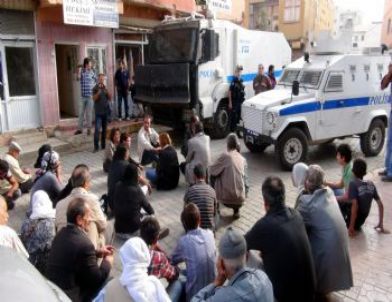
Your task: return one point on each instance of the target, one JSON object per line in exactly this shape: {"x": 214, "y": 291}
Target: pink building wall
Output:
{"x": 51, "y": 30}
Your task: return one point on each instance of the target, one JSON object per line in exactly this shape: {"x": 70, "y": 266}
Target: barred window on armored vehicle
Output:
{"x": 289, "y": 76}
{"x": 310, "y": 78}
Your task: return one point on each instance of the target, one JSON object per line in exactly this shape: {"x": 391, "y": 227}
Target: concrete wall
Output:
{"x": 51, "y": 30}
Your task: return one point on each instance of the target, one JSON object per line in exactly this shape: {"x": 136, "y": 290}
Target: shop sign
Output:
{"x": 101, "y": 13}
{"x": 220, "y": 5}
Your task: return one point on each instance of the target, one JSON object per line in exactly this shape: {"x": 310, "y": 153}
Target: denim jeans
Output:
{"x": 120, "y": 97}
{"x": 176, "y": 290}
{"x": 151, "y": 175}
{"x": 85, "y": 109}
{"x": 388, "y": 150}
{"x": 101, "y": 121}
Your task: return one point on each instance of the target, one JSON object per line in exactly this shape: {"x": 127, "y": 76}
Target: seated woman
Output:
{"x": 110, "y": 148}
{"x": 134, "y": 284}
{"x": 327, "y": 234}
{"x": 38, "y": 230}
{"x": 41, "y": 151}
{"x": 298, "y": 177}
{"x": 167, "y": 173}
{"x": 49, "y": 178}
{"x": 128, "y": 201}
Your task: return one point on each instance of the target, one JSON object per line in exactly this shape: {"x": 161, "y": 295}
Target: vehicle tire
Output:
{"x": 291, "y": 148}
{"x": 221, "y": 125}
{"x": 256, "y": 148}
{"x": 373, "y": 140}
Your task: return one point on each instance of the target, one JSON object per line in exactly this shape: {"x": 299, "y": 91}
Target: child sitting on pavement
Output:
{"x": 340, "y": 188}
{"x": 361, "y": 193}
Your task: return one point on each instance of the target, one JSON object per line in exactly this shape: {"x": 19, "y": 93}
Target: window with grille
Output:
{"x": 310, "y": 78}
{"x": 289, "y": 76}
{"x": 335, "y": 83}
{"x": 292, "y": 10}
{"x": 98, "y": 56}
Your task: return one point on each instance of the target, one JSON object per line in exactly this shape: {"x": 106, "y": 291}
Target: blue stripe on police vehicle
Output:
{"x": 248, "y": 77}
{"x": 335, "y": 104}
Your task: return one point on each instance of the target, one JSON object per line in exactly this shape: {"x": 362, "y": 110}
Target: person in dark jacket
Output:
{"x": 128, "y": 200}
{"x": 167, "y": 173}
{"x": 281, "y": 238}
{"x": 72, "y": 263}
{"x": 116, "y": 171}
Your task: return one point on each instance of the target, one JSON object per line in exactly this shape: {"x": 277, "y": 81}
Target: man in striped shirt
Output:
{"x": 204, "y": 197}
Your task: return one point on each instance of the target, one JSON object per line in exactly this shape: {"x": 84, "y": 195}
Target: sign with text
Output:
{"x": 101, "y": 13}
{"x": 220, "y": 5}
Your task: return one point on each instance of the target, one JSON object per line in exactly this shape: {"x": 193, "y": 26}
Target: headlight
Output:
{"x": 271, "y": 118}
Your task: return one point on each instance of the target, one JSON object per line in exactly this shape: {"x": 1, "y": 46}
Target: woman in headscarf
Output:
{"x": 298, "y": 176}
{"x": 50, "y": 178}
{"x": 38, "y": 230}
{"x": 327, "y": 234}
{"x": 134, "y": 284}
{"x": 41, "y": 151}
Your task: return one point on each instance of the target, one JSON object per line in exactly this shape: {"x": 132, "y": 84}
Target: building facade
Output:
{"x": 19, "y": 90}
{"x": 302, "y": 20}
{"x": 386, "y": 32}
{"x": 231, "y": 10}
{"x": 40, "y": 56}
{"x": 263, "y": 15}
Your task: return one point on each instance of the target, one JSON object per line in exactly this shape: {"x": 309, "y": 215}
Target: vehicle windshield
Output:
{"x": 310, "y": 78}
{"x": 173, "y": 45}
{"x": 289, "y": 76}
{"x": 306, "y": 78}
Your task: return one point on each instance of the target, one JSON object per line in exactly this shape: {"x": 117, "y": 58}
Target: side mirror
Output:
{"x": 295, "y": 88}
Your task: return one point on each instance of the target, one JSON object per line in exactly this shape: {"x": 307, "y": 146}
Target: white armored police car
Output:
{"x": 320, "y": 97}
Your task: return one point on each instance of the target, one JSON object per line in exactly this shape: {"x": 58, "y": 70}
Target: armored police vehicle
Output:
{"x": 320, "y": 97}
{"x": 190, "y": 64}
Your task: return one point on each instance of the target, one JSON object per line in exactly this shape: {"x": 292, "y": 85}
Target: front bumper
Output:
{"x": 255, "y": 138}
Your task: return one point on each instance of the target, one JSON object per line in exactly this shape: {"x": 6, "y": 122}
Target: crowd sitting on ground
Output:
{"x": 295, "y": 254}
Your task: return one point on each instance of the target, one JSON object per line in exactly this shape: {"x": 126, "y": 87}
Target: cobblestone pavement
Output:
{"x": 371, "y": 253}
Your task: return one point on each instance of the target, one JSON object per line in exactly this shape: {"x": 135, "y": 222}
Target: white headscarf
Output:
{"x": 298, "y": 175}
{"x": 42, "y": 206}
{"x": 135, "y": 258}
{"x": 50, "y": 160}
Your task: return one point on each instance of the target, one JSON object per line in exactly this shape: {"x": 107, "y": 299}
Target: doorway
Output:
{"x": 67, "y": 83}
{"x": 131, "y": 55}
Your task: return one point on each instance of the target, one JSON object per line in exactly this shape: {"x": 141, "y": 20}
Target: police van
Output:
{"x": 322, "y": 96}
{"x": 190, "y": 65}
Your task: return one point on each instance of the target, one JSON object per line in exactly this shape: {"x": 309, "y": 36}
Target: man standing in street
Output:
{"x": 261, "y": 82}
{"x": 101, "y": 97}
{"x": 236, "y": 98}
{"x": 122, "y": 82}
{"x": 87, "y": 79}
{"x": 387, "y": 173}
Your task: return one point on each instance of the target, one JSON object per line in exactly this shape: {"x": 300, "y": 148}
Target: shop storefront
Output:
{"x": 19, "y": 93}
{"x": 61, "y": 50}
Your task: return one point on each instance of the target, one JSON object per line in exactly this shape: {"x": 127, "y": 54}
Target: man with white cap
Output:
{"x": 22, "y": 176}
{"x": 242, "y": 283}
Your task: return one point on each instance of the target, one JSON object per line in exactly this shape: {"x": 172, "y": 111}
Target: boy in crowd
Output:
{"x": 160, "y": 265}
{"x": 340, "y": 188}
{"x": 361, "y": 193}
